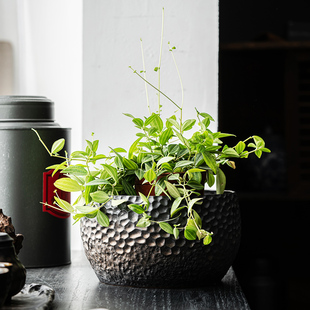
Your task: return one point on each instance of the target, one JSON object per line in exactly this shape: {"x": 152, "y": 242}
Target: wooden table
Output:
{"x": 77, "y": 287}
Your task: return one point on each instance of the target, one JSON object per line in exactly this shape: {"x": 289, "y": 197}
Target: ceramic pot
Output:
{"x": 123, "y": 254}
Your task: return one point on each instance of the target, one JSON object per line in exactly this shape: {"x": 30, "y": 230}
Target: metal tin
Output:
{"x": 23, "y": 161}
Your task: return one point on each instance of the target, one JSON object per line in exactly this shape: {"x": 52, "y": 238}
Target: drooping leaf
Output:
{"x": 103, "y": 219}
{"x": 166, "y": 227}
{"x": 136, "y": 208}
{"x": 220, "y": 181}
{"x": 144, "y": 222}
{"x": 172, "y": 190}
{"x": 68, "y": 185}
{"x": 76, "y": 170}
{"x": 100, "y": 196}
{"x": 210, "y": 161}
{"x": 176, "y": 232}
{"x": 175, "y": 206}
{"x": 63, "y": 204}
{"x": 86, "y": 209}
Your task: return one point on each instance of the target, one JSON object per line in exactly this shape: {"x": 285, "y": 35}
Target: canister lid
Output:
{"x": 26, "y": 109}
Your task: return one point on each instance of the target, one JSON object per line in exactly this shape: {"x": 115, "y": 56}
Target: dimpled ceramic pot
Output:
{"x": 123, "y": 254}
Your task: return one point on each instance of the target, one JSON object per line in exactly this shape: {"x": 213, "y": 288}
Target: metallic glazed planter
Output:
{"x": 123, "y": 254}
{"x": 23, "y": 160}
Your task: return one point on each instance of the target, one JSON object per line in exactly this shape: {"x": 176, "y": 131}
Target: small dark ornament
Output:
{"x": 6, "y": 226}
{"x": 123, "y": 254}
{"x": 18, "y": 271}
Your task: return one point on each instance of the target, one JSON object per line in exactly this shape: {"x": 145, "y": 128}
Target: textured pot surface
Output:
{"x": 123, "y": 254}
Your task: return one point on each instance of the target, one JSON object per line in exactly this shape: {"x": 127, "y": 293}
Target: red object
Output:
{"x": 49, "y": 193}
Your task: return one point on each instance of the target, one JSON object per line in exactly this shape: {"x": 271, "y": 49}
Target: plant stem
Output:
{"x": 182, "y": 89}
{"x": 49, "y": 152}
{"x": 134, "y": 71}
{"x": 144, "y": 73}
{"x": 160, "y": 56}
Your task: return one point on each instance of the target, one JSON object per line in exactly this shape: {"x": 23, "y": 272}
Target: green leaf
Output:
{"x": 264, "y": 149}
{"x": 111, "y": 171}
{"x": 240, "y": 147}
{"x": 157, "y": 123}
{"x": 184, "y": 163}
{"x": 150, "y": 119}
{"x": 165, "y": 136}
{"x": 190, "y": 232}
{"x": 133, "y": 148}
{"x": 175, "y": 206}
{"x": 220, "y": 181}
{"x": 117, "y": 202}
{"x": 103, "y": 219}
{"x": 206, "y": 115}
{"x": 188, "y": 124}
{"x": 182, "y": 139}
{"x": 139, "y": 122}
{"x": 136, "y": 208}
{"x": 78, "y": 154}
{"x": 197, "y": 219}
{"x": 172, "y": 190}
{"x": 210, "y": 161}
{"x": 58, "y": 146}
{"x": 97, "y": 182}
{"x": 208, "y": 239}
{"x": 174, "y": 123}
{"x": 100, "y": 196}
{"x": 166, "y": 227}
{"x": 76, "y": 170}
{"x": 258, "y": 153}
{"x": 230, "y": 152}
{"x": 143, "y": 222}
{"x": 165, "y": 159}
{"x": 259, "y": 141}
{"x": 129, "y": 164}
{"x": 63, "y": 204}
{"x": 210, "y": 179}
{"x": 129, "y": 115}
{"x": 191, "y": 203}
{"x": 128, "y": 188}
{"x": 68, "y": 185}
{"x": 150, "y": 175}
{"x": 86, "y": 209}
{"x": 176, "y": 233}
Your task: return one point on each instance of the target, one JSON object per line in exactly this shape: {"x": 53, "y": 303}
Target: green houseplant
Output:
{"x": 172, "y": 157}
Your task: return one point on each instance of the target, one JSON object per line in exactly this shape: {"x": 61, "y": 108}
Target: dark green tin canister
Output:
{"x": 23, "y": 162}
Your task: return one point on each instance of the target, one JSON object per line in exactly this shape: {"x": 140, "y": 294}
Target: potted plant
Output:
{"x": 145, "y": 217}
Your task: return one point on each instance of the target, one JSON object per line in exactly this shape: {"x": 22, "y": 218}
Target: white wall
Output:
{"x": 111, "y": 36}
{"x": 47, "y": 43}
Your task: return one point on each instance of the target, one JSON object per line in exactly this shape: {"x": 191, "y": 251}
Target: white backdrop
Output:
{"x": 112, "y": 32}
